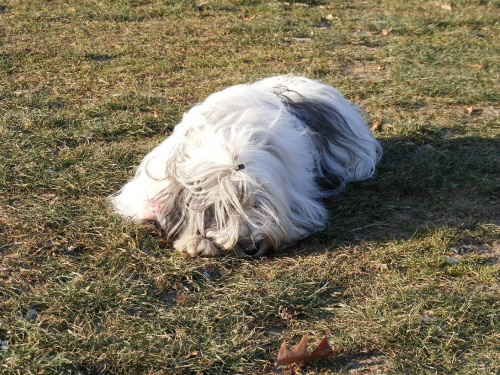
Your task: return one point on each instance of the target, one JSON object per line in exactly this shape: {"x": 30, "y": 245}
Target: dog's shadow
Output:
{"x": 441, "y": 182}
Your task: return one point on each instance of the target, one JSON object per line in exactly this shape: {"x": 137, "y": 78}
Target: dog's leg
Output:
{"x": 194, "y": 245}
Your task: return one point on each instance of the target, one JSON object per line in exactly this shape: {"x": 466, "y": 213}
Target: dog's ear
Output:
{"x": 171, "y": 217}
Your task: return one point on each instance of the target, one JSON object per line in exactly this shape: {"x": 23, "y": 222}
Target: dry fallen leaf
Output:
{"x": 288, "y": 312}
{"x": 299, "y": 353}
{"x": 191, "y": 355}
{"x": 385, "y": 32}
{"x": 377, "y": 126}
{"x": 445, "y": 6}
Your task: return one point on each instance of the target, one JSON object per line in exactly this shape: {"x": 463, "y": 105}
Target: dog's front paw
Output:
{"x": 253, "y": 249}
{"x": 195, "y": 246}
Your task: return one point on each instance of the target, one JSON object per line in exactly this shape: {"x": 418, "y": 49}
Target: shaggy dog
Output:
{"x": 248, "y": 168}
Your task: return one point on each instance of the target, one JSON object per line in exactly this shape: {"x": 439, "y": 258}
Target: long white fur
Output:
{"x": 192, "y": 186}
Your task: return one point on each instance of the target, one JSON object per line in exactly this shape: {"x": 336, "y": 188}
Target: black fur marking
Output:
{"x": 171, "y": 218}
{"x": 327, "y": 128}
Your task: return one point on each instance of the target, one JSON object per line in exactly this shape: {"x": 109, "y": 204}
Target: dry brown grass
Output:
{"x": 405, "y": 279}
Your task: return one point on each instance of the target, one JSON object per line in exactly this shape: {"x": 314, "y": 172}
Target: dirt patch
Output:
{"x": 492, "y": 252}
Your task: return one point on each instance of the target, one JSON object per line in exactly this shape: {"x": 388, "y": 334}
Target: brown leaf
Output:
{"x": 299, "y": 353}
{"x": 445, "y": 6}
{"x": 288, "y": 312}
{"x": 385, "y": 32}
{"x": 191, "y": 355}
{"x": 323, "y": 350}
{"x": 377, "y": 126}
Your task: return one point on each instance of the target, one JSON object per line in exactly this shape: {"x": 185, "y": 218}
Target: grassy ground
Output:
{"x": 405, "y": 279}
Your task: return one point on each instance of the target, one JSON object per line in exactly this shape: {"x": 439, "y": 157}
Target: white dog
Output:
{"x": 248, "y": 168}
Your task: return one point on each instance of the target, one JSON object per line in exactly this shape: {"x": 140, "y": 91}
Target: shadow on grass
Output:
{"x": 441, "y": 183}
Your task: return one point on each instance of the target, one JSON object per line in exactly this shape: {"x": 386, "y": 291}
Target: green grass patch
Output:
{"x": 404, "y": 279}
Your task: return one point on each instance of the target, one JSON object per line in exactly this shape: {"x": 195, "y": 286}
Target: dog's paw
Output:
{"x": 253, "y": 250}
{"x": 194, "y": 246}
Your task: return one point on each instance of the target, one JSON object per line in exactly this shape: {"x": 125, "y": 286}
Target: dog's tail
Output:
{"x": 346, "y": 148}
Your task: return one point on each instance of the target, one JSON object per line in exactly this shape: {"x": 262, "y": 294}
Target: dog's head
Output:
{"x": 228, "y": 203}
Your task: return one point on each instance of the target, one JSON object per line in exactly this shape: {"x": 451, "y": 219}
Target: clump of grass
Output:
{"x": 405, "y": 279}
